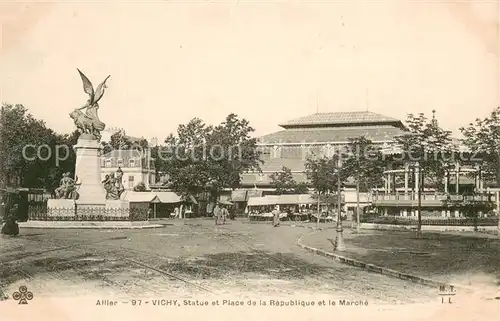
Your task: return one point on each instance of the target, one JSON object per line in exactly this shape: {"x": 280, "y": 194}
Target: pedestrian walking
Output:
{"x": 217, "y": 214}
{"x": 276, "y": 216}
{"x": 224, "y": 213}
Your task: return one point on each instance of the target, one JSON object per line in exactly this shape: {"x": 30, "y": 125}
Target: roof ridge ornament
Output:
{"x": 434, "y": 121}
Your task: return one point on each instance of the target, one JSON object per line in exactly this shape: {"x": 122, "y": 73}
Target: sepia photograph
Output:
{"x": 254, "y": 160}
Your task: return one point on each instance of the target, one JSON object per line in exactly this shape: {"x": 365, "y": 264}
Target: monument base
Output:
{"x": 61, "y": 208}
{"x": 90, "y": 205}
{"x": 88, "y": 172}
{"x": 117, "y": 204}
{"x": 88, "y": 225}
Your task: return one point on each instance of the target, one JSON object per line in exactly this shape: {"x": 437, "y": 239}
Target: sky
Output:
{"x": 266, "y": 61}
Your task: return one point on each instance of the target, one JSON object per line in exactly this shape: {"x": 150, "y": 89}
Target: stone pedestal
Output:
{"x": 92, "y": 200}
{"x": 88, "y": 173}
{"x": 117, "y": 208}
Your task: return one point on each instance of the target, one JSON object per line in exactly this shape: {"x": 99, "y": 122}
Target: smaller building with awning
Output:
{"x": 162, "y": 204}
{"x": 240, "y": 197}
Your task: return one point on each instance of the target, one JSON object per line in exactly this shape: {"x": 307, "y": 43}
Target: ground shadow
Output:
{"x": 267, "y": 264}
{"x": 85, "y": 265}
{"x": 281, "y": 266}
{"x": 432, "y": 255}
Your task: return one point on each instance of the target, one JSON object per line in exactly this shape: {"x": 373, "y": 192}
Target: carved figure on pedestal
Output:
{"x": 67, "y": 188}
{"x": 89, "y": 122}
{"x": 110, "y": 187}
{"x": 113, "y": 185}
{"x": 119, "y": 183}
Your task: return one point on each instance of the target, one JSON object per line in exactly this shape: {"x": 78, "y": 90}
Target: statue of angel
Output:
{"x": 89, "y": 122}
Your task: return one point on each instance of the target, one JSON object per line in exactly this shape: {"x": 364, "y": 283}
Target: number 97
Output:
{"x": 136, "y": 302}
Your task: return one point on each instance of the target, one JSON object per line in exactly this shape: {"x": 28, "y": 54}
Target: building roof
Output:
{"x": 151, "y": 197}
{"x": 139, "y": 197}
{"x": 329, "y": 134}
{"x": 341, "y": 118}
{"x": 168, "y": 197}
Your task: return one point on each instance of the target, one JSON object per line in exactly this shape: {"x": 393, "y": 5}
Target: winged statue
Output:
{"x": 89, "y": 122}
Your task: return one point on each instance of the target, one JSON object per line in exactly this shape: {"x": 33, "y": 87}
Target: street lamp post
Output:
{"x": 419, "y": 195}
{"x": 339, "y": 242}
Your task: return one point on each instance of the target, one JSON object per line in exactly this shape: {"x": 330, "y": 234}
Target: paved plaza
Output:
{"x": 187, "y": 259}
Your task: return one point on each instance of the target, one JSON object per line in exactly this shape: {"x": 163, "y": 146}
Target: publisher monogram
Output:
{"x": 23, "y": 295}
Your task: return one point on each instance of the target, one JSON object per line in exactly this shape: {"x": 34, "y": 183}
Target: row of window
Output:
{"x": 131, "y": 180}
{"x": 299, "y": 151}
{"x": 119, "y": 163}
{"x": 303, "y": 151}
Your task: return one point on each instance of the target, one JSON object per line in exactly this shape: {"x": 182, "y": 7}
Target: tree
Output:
{"x": 429, "y": 146}
{"x": 366, "y": 164}
{"x": 32, "y": 155}
{"x": 483, "y": 139}
{"x": 232, "y": 152}
{"x": 284, "y": 183}
{"x": 182, "y": 158}
{"x": 301, "y": 188}
{"x": 120, "y": 141}
{"x": 203, "y": 158}
{"x": 160, "y": 162}
{"x": 140, "y": 187}
{"x": 322, "y": 174}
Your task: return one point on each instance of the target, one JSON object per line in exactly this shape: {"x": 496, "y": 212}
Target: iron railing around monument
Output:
{"x": 42, "y": 213}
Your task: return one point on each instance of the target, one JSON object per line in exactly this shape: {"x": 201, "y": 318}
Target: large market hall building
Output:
{"x": 320, "y": 134}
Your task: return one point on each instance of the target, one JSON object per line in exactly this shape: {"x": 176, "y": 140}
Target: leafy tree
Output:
{"x": 428, "y": 145}
{"x": 156, "y": 154}
{"x": 322, "y": 174}
{"x": 182, "y": 158}
{"x": 232, "y": 152}
{"x": 284, "y": 183}
{"x": 120, "y": 141}
{"x": 365, "y": 163}
{"x": 205, "y": 158}
{"x": 483, "y": 139}
{"x": 301, "y": 188}
{"x": 140, "y": 187}
{"x": 23, "y": 160}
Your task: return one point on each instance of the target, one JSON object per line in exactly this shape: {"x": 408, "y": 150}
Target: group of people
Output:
{"x": 220, "y": 214}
